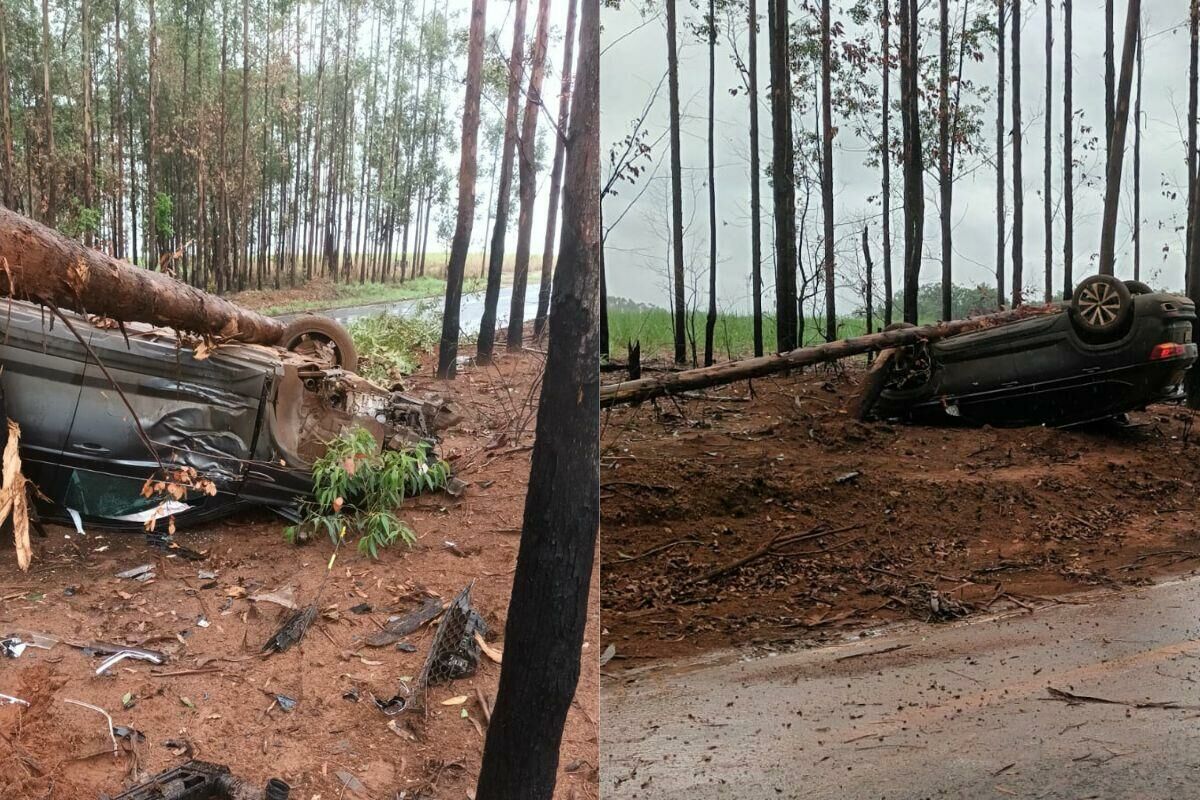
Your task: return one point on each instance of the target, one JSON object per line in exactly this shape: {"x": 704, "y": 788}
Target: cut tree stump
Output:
{"x": 42, "y": 265}
{"x": 689, "y": 380}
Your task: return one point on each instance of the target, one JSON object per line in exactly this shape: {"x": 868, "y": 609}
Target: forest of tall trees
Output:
{"x": 894, "y": 87}
{"x": 249, "y": 143}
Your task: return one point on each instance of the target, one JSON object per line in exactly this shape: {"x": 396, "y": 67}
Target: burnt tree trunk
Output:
{"x": 527, "y": 173}
{"x": 1116, "y": 150}
{"x": 678, "y": 301}
{"x": 461, "y": 243}
{"x": 491, "y": 295}
{"x": 783, "y": 170}
{"x": 48, "y": 267}
{"x": 549, "y": 610}
{"x": 1068, "y": 157}
{"x": 755, "y": 177}
{"x": 914, "y": 189}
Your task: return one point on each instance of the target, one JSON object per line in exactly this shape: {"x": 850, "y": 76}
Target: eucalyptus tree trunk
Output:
{"x": 6, "y": 155}
{"x": 527, "y": 174}
{"x": 491, "y": 296}
{"x": 1116, "y": 151}
{"x": 914, "y": 190}
{"x": 455, "y": 267}
{"x": 944, "y": 185}
{"x": 679, "y": 301}
{"x": 784, "y": 184}
{"x": 1018, "y": 238}
{"x": 1137, "y": 165}
{"x": 885, "y": 157}
{"x": 560, "y": 144}
{"x": 1047, "y": 206}
{"x": 827, "y": 174}
{"x": 710, "y": 321}
{"x": 1068, "y": 156}
{"x": 755, "y": 178}
{"x": 1000, "y": 136}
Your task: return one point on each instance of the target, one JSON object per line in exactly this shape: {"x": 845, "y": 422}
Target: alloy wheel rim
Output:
{"x": 1099, "y": 304}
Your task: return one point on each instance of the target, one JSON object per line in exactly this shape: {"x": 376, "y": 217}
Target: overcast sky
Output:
{"x": 633, "y": 64}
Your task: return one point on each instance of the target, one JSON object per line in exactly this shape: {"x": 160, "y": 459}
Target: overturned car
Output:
{"x": 102, "y": 408}
{"x": 1117, "y": 346}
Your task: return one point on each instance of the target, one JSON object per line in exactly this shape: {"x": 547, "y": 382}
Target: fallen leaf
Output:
{"x": 455, "y": 701}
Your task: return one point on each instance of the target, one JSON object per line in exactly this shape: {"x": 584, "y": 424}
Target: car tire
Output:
{"x": 1137, "y": 287}
{"x": 313, "y": 327}
{"x": 1101, "y": 306}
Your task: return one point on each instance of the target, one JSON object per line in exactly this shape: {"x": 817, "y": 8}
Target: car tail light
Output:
{"x": 1167, "y": 350}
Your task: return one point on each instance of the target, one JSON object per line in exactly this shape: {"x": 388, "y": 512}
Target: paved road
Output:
{"x": 470, "y": 313}
{"x": 957, "y": 711}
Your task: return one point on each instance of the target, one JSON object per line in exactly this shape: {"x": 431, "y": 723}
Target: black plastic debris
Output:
{"x": 393, "y": 706}
{"x": 201, "y": 780}
{"x": 361, "y": 608}
{"x": 399, "y": 627}
{"x": 406, "y": 647}
{"x": 455, "y": 653}
{"x": 292, "y": 630}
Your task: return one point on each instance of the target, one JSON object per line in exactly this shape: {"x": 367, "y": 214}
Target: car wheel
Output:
{"x": 1137, "y": 287}
{"x": 311, "y": 329}
{"x": 1101, "y": 305}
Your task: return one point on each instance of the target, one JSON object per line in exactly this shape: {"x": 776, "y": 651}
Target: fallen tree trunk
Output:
{"x": 719, "y": 374}
{"x": 45, "y": 266}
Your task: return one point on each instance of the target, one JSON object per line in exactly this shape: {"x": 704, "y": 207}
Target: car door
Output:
{"x": 41, "y": 371}
{"x": 202, "y": 413}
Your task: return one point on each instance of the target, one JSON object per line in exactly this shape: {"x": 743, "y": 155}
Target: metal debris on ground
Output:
{"x": 13, "y": 701}
{"x": 12, "y": 647}
{"x": 117, "y": 658}
{"x": 142, "y": 572}
{"x": 292, "y": 630}
{"x": 201, "y": 780}
{"x": 454, "y": 653}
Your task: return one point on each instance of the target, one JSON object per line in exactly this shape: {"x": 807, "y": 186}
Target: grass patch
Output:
{"x": 360, "y": 294}
{"x": 390, "y": 346}
{"x": 733, "y": 337}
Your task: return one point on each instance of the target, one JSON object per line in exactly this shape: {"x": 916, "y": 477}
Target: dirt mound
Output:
{"x": 848, "y": 524}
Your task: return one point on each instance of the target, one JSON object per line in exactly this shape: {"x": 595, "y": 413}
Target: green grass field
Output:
{"x": 733, "y": 337}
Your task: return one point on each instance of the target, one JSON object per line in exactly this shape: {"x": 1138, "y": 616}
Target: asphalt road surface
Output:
{"x": 960, "y": 710}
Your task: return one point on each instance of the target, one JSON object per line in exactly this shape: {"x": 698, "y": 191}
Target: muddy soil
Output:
{"x": 872, "y": 522}
{"x": 217, "y": 694}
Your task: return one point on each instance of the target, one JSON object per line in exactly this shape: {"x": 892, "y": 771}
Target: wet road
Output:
{"x": 958, "y": 710}
{"x": 470, "y": 312}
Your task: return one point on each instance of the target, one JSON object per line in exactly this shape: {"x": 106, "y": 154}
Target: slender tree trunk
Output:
{"x": 944, "y": 185}
{"x": 89, "y": 152}
{"x": 869, "y": 288}
{"x": 560, "y": 142}
{"x": 827, "y": 174}
{"x": 487, "y": 325}
{"x": 1137, "y": 165}
{"x": 455, "y": 267}
{"x": 1000, "y": 136}
{"x": 1068, "y": 156}
{"x": 755, "y": 178}
{"x": 1109, "y": 76}
{"x": 1018, "y": 239}
{"x": 528, "y": 178}
{"x": 1116, "y": 152}
{"x": 49, "y": 190}
{"x": 1193, "y": 111}
{"x": 885, "y": 157}
{"x": 784, "y": 184}
{"x": 679, "y": 301}
{"x": 6, "y": 157}
{"x": 151, "y": 203}
{"x": 243, "y": 199}
{"x": 710, "y": 321}
{"x": 1047, "y": 187}
{"x": 543, "y": 637}
{"x": 914, "y": 190}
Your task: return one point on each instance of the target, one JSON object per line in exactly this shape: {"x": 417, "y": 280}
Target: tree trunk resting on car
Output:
{"x": 43, "y": 265}
{"x": 687, "y": 380}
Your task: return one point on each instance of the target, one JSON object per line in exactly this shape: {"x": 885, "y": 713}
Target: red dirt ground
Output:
{"x": 962, "y": 518}
{"x": 223, "y": 707}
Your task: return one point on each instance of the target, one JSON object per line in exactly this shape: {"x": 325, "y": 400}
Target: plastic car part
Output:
{"x": 308, "y": 333}
{"x": 200, "y": 780}
{"x": 1101, "y": 305}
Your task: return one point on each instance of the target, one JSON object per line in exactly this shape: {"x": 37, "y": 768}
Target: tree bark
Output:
{"x": 783, "y": 171}
{"x": 6, "y": 156}
{"x": 1109, "y": 92}
{"x": 1018, "y": 235}
{"x": 1000, "y": 136}
{"x": 548, "y": 613}
{"x": 689, "y": 380}
{"x": 885, "y": 157}
{"x": 1068, "y": 156}
{"x": 944, "y": 185}
{"x": 150, "y": 203}
{"x": 485, "y": 343}
{"x": 1137, "y": 165}
{"x": 827, "y": 174}
{"x": 755, "y": 178}
{"x": 49, "y": 213}
{"x": 870, "y": 281}
{"x": 679, "y": 301}
{"x": 47, "y": 266}
{"x": 527, "y": 174}
{"x": 560, "y": 142}
{"x": 1116, "y": 150}
{"x": 1193, "y": 78}
{"x": 914, "y": 190}
{"x": 710, "y": 321}
{"x": 455, "y": 267}
{"x": 1047, "y": 206}
{"x": 89, "y": 152}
